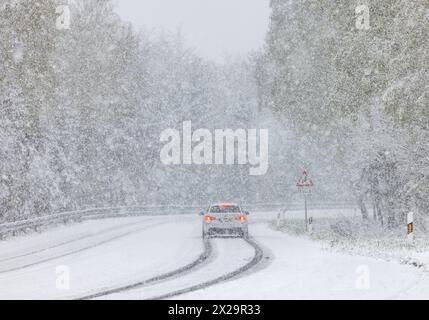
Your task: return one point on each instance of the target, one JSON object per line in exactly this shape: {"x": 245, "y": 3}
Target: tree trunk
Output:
{"x": 363, "y": 208}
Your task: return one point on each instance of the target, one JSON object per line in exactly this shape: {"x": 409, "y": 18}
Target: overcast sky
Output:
{"x": 215, "y": 28}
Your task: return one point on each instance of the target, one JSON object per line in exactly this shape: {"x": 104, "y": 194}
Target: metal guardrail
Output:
{"x": 299, "y": 206}
{"x": 109, "y": 212}
{"x": 87, "y": 214}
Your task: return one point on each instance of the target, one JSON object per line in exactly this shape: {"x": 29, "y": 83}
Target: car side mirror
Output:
{"x": 201, "y": 213}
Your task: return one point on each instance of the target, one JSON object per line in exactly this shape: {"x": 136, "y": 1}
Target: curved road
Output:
{"x": 162, "y": 257}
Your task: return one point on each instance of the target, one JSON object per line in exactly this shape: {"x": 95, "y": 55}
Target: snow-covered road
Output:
{"x": 114, "y": 258}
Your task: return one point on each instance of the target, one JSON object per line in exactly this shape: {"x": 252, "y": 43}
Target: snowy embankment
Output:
{"x": 343, "y": 232}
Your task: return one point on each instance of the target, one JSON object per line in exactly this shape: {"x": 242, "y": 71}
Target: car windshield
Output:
{"x": 225, "y": 209}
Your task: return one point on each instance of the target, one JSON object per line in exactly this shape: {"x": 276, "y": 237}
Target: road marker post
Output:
{"x": 410, "y": 227}
{"x": 310, "y": 225}
{"x": 278, "y": 218}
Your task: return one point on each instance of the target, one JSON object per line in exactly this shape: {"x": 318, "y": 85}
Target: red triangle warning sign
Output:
{"x": 305, "y": 180}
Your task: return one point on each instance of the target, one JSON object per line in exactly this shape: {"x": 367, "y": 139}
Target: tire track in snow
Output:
{"x": 27, "y": 254}
{"x": 203, "y": 257}
{"x": 258, "y": 256}
{"x": 88, "y": 247}
{"x": 207, "y": 253}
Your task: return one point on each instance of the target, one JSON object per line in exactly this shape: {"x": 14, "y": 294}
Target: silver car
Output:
{"x": 225, "y": 219}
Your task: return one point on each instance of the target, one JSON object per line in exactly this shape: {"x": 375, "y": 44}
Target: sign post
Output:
{"x": 305, "y": 185}
{"x": 306, "y": 214}
{"x": 410, "y": 226}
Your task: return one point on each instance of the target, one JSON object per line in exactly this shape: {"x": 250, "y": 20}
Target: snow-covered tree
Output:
{"x": 358, "y": 90}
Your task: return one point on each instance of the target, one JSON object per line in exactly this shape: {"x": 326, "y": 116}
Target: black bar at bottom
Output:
{"x": 228, "y": 309}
